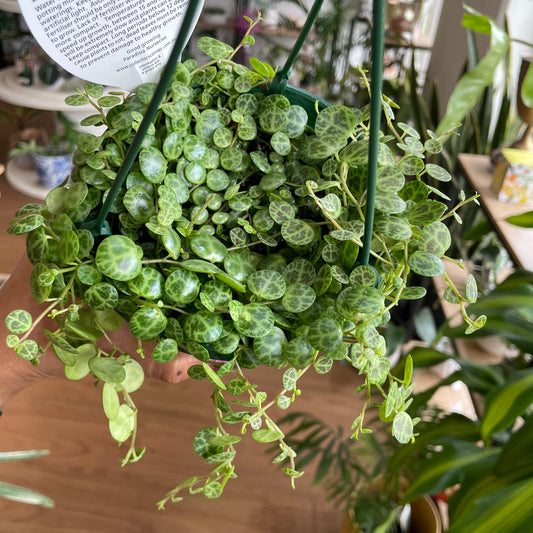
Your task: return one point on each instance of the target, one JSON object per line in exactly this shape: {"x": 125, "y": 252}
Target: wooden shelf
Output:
{"x": 478, "y": 171}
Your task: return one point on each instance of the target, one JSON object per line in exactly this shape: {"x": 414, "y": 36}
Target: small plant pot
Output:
{"x": 425, "y": 518}
{"x": 52, "y": 169}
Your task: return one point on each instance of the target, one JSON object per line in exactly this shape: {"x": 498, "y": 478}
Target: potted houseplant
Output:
{"x": 480, "y": 467}
{"x": 358, "y": 478}
{"x": 476, "y": 466}
{"x": 51, "y": 155}
{"x": 236, "y": 237}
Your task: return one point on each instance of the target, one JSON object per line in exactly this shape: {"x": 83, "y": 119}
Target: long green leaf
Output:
{"x": 450, "y": 467}
{"x": 471, "y": 85}
{"x": 525, "y": 220}
{"x": 527, "y": 87}
{"x": 516, "y": 457}
{"x": 23, "y": 495}
{"x": 504, "y": 404}
{"x": 21, "y": 455}
{"x": 518, "y": 278}
{"x": 507, "y": 509}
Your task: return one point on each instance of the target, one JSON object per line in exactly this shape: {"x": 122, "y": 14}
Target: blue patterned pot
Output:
{"x": 52, "y": 169}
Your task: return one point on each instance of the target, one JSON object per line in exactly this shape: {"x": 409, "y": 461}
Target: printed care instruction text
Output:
{"x": 112, "y": 42}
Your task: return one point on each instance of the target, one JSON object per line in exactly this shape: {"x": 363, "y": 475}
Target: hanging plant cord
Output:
{"x": 376, "y": 81}
{"x": 279, "y": 85}
{"x": 100, "y": 226}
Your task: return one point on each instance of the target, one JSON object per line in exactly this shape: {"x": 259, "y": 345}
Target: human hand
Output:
{"x": 17, "y": 373}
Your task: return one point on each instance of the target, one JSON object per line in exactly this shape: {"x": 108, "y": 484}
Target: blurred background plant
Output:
{"x": 22, "y": 494}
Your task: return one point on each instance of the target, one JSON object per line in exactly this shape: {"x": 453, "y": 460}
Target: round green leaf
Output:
{"x": 207, "y": 247}
{"x": 323, "y": 364}
{"x": 134, "y": 376}
{"x": 273, "y": 119}
{"x": 265, "y": 436}
{"x": 110, "y": 401}
{"x": 41, "y": 279}
{"x": 297, "y": 232}
{"x": 147, "y": 322}
{"x": 435, "y": 239}
{"x": 363, "y": 275}
{"x": 19, "y": 321}
{"x": 227, "y": 344}
{"x": 300, "y": 271}
{"x": 281, "y": 211}
{"x": 256, "y": 320}
{"x": 122, "y": 426}
{"x": 214, "y": 48}
{"x": 267, "y": 284}
{"x": 37, "y": 246}
{"x": 296, "y": 121}
{"x": 80, "y": 368}
{"x": 153, "y": 164}
{"x": 359, "y": 300}
{"x": 139, "y": 203}
{"x": 269, "y": 348}
{"x": 389, "y": 179}
{"x": 325, "y": 334}
{"x": 165, "y": 351}
{"x": 413, "y": 293}
{"x": 335, "y": 121}
{"x": 107, "y": 369}
{"x": 412, "y": 165}
{"x": 389, "y": 203}
{"x": 203, "y": 327}
{"x": 238, "y": 266}
{"x": 118, "y": 258}
{"x": 272, "y": 180}
{"x": 182, "y": 286}
{"x": 299, "y": 352}
{"x": 298, "y": 297}
{"x": 88, "y": 275}
{"x": 102, "y": 296}
{"x": 323, "y": 280}
{"x": 27, "y": 349}
{"x": 437, "y": 172}
{"x": 426, "y": 264}
{"x": 26, "y": 224}
{"x": 394, "y": 227}
{"x": 148, "y": 284}
{"x": 402, "y": 428}
{"x": 281, "y": 143}
{"x": 425, "y": 212}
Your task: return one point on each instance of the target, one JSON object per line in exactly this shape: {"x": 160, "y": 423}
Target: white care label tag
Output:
{"x": 121, "y": 43}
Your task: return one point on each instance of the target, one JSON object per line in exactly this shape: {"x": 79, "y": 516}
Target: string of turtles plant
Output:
{"x": 235, "y": 238}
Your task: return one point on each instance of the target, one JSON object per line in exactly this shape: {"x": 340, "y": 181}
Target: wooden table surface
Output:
{"x": 518, "y": 241}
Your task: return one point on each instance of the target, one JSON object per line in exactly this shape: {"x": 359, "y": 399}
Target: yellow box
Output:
{"x": 513, "y": 176}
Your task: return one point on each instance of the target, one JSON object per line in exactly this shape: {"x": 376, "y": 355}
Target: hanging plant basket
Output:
{"x": 236, "y": 236}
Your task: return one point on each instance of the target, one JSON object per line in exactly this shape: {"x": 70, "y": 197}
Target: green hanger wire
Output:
{"x": 311, "y": 102}
{"x": 100, "y": 226}
{"x": 297, "y": 95}
{"x": 376, "y": 83}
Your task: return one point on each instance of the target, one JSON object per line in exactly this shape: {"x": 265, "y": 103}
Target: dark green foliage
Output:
{"x": 235, "y": 238}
